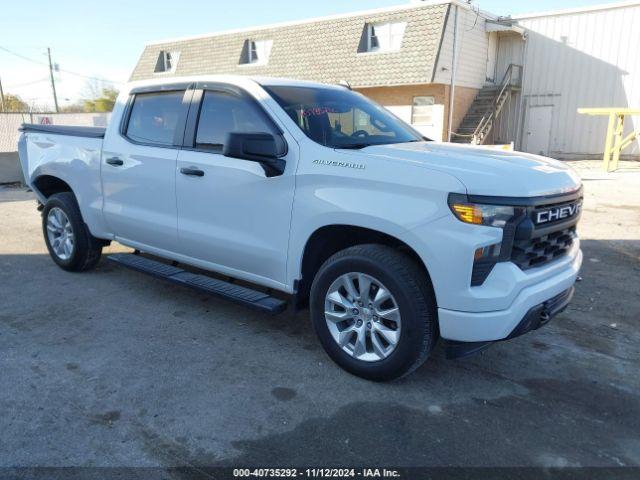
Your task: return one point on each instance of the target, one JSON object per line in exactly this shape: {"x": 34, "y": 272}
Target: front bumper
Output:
{"x": 535, "y": 318}
{"x": 490, "y": 326}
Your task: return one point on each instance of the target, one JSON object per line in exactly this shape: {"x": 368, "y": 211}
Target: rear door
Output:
{"x": 138, "y": 168}
{"x": 232, "y": 217}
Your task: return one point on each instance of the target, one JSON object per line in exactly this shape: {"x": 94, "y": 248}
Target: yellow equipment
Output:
{"x": 615, "y": 142}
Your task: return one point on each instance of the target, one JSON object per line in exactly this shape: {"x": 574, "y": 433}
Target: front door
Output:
{"x": 138, "y": 171}
{"x": 232, "y": 218}
{"x": 538, "y": 129}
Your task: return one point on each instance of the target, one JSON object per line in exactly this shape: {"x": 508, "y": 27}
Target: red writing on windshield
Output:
{"x": 307, "y": 112}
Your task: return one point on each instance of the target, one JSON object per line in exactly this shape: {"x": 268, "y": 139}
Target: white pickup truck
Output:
{"x": 317, "y": 193}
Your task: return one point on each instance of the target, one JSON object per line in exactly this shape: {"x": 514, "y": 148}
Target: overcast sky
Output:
{"x": 104, "y": 39}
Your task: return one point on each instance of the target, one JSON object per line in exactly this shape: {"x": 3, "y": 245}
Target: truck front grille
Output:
{"x": 538, "y": 251}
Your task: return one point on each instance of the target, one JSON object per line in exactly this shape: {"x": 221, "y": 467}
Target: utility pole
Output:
{"x": 454, "y": 64}
{"x": 2, "y": 108}
{"x": 53, "y": 82}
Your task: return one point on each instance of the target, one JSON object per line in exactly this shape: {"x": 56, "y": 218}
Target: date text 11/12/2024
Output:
{"x": 316, "y": 473}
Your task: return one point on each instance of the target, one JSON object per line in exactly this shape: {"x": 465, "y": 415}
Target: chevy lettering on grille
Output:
{"x": 557, "y": 213}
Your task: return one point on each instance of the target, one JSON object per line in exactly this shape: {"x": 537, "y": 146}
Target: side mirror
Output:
{"x": 256, "y": 147}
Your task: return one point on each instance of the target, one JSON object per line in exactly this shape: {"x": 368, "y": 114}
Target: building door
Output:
{"x": 538, "y": 129}
{"x": 492, "y": 57}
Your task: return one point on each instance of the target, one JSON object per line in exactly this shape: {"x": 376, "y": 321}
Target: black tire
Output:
{"x": 413, "y": 292}
{"x": 86, "y": 248}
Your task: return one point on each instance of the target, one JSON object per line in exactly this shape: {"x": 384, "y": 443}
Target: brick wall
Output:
{"x": 400, "y": 98}
{"x": 403, "y": 95}
{"x": 463, "y": 99}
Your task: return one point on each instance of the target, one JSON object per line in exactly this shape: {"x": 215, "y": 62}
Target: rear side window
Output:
{"x": 222, "y": 113}
{"x": 154, "y": 117}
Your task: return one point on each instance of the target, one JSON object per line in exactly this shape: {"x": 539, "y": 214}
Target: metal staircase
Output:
{"x": 486, "y": 107}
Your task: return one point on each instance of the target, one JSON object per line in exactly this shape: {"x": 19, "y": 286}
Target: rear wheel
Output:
{"x": 67, "y": 237}
{"x": 374, "y": 311}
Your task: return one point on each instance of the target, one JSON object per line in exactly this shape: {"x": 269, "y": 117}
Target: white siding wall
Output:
{"x": 510, "y": 51}
{"x": 586, "y": 59}
{"x": 472, "y": 50}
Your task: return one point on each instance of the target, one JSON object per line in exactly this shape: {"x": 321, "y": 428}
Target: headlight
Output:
{"x": 479, "y": 214}
{"x": 482, "y": 211}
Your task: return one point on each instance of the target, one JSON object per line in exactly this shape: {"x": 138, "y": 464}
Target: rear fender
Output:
{"x": 75, "y": 161}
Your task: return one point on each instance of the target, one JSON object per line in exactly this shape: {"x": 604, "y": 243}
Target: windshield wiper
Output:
{"x": 353, "y": 146}
{"x": 358, "y": 146}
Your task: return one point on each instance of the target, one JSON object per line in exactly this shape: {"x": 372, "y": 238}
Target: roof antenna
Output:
{"x": 344, "y": 84}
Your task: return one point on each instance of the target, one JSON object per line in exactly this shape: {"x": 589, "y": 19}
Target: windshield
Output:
{"x": 341, "y": 118}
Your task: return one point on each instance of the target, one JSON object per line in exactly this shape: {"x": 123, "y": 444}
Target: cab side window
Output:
{"x": 154, "y": 117}
{"x": 222, "y": 113}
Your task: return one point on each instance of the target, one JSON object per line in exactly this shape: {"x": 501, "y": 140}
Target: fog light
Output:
{"x": 484, "y": 259}
{"x": 489, "y": 252}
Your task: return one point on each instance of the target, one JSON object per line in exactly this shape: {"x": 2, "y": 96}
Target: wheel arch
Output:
{"x": 327, "y": 240}
{"x": 46, "y": 185}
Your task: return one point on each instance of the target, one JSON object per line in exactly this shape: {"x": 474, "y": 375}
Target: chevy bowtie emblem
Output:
{"x": 557, "y": 213}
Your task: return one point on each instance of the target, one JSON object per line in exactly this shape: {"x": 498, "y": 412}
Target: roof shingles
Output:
{"x": 323, "y": 50}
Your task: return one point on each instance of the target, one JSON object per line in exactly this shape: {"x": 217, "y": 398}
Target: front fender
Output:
{"x": 384, "y": 206}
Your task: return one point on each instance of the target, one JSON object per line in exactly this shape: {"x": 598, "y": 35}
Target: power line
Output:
{"x": 90, "y": 77}
{"x": 33, "y": 82}
{"x": 21, "y": 56}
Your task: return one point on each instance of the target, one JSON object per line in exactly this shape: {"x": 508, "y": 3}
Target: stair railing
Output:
{"x": 512, "y": 78}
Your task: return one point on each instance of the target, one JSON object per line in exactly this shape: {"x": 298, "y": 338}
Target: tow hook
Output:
{"x": 544, "y": 318}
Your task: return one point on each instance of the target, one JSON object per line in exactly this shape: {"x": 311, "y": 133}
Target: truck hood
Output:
{"x": 484, "y": 171}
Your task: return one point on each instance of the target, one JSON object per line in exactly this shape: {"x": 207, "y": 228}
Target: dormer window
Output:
{"x": 167, "y": 62}
{"x": 256, "y": 52}
{"x": 253, "y": 52}
{"x": 385, "y": 37}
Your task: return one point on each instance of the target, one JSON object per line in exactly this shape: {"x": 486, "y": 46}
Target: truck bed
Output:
{"x": 69, "y": 153}
{"x": 76, "y": 131}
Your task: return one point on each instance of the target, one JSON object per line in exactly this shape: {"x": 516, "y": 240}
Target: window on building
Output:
{"x": 154, "y": 117}
{"x": 384, "y": 37}
{"x": 223, "y": 113}
{"x": 253, "y": 52}
{"x": 422, "y": 110}
{"x": 167, "y": 61}
{"x": 256, "y": 52}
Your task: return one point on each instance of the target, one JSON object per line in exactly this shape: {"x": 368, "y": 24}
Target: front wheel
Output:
{"x": 68, "y": 239}
{"x": 374, "y": 311}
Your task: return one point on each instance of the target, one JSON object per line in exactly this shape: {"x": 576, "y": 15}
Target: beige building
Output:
{"x": 402, "y": 57}
{"x": 449, "y": 69}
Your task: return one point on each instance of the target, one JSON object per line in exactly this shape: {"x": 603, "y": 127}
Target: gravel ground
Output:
{"x": 112, "y": 368}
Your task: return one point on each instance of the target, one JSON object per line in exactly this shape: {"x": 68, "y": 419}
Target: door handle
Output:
{"x": 115, "y": 161}
{"x": 194, "y": 172}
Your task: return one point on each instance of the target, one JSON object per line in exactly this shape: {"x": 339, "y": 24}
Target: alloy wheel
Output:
{"x": 362, "y": 316}
{"x": 60, "y": 233}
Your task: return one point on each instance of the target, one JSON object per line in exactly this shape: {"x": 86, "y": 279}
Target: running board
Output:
{"x": 228, "y": 291}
